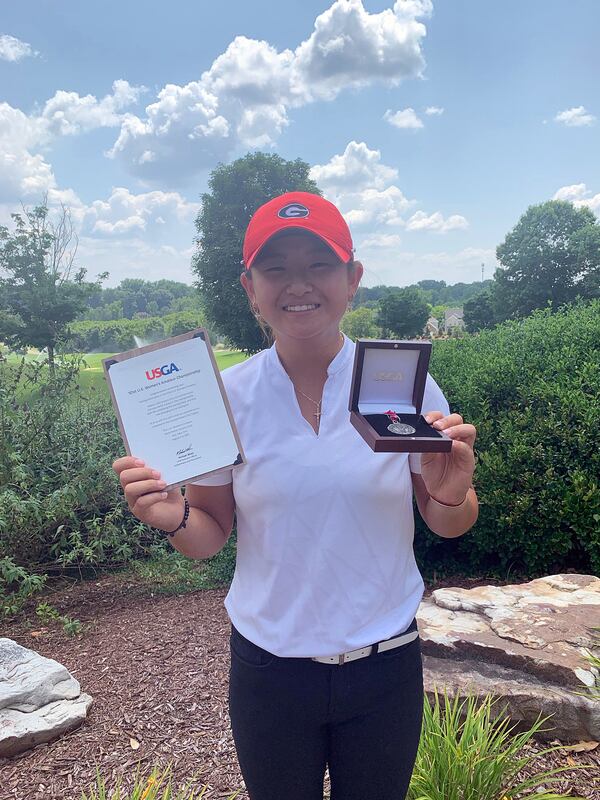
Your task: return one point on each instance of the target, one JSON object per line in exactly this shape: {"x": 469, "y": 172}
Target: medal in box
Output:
{"x": 386, "y": 397}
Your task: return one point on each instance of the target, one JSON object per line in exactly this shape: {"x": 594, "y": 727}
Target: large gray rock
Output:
{"x": 523, "y": 643}
{"x": 39, "y": 699}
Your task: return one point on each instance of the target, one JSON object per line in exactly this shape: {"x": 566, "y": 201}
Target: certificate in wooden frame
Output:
{"x": 197, "y": 333}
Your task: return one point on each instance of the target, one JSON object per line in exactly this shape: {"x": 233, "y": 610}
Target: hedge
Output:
{"x": 532, "y": 389}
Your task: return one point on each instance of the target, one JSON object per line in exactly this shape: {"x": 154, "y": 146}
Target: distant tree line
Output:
{"x": 436, "y": 293}
{"x": 110, "y": 336}
{"x": 135, "y": 298}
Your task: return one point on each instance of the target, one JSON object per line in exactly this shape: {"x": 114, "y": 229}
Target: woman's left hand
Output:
{"x": 449, "y": 476}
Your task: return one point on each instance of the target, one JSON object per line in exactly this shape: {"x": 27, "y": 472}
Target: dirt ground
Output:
{"x": 157, "y": 668}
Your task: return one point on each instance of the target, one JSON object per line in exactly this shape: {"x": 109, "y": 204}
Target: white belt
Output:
{"x": 388, "y": 644}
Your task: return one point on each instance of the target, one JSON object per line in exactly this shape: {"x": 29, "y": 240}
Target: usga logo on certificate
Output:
{"x": 158, "y": 371}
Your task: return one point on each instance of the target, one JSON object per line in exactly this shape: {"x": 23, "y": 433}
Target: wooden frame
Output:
{"x": 196, "y": 333}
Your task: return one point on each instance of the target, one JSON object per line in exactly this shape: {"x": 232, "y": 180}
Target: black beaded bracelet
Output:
{"x": 183, "y": 522}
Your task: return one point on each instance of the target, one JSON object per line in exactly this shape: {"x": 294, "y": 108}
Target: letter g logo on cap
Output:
{"x": 292, "y": 211}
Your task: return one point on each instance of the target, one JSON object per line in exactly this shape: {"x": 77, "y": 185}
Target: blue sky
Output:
{"x": 432, "y": 125}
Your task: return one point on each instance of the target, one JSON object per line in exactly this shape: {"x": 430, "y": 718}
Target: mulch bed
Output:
{"x": 157, "y": 668}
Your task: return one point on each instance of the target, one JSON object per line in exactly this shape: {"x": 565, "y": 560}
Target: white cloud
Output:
{"x": 380, "y": 240}
{"x": 350, "y": 47}
{"x": 356, "y": 168}
{"x": 124, "y": 213}
{"x": 243, "y": 100}
{"x": 407, "y": 118}
{"x": 182, "y": 127}
{"x": 245, "y": 97}
{"x": 575, "y": 117}
{"x": 67, "y": 113}
{"x": 135, "y": 257}
{"x": 580, "y": 196}
{"x": 13, "y": 49}
{"x": 25, "y": 173}
{"x": 375, "y": 207}
{"x": 364, "y": 190}
{"x": 434, "y": 111}
{"x": 420, "y": 221}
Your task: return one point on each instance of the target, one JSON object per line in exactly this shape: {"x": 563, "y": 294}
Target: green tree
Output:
{"x": 360, "y": 324}
{"x": 586, "y": 244}
{"x": 403, "y": 313}
{"x": 40, "y": 291}
{"x": 479, "y": 312}
{"x": 236, "y": 190}
{"x": 428, "y": 285}
{"x": 550, "y": 256}
{"x": 437, "y": 311}
{"x": 369, "y": 296}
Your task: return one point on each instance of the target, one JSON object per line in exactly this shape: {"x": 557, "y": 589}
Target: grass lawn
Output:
{"x": 91, "y": 377}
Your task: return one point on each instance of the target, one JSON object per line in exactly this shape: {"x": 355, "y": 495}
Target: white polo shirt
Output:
{"x": 325, "y": 526}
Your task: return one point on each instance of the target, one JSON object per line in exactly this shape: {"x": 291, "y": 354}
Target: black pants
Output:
{"x": 292, "y": 717}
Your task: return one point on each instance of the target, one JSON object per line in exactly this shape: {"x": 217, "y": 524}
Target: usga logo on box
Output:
{"x": 166, "y": 369}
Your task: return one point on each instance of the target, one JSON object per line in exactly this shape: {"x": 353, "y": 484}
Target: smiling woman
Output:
{"x": 326, "y": 665}
{"x": 297, "y": 274}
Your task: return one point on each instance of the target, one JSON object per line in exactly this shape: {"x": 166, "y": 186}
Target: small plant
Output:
{"x": 157, "y": 786}
{"x": 464, "y": 754}
{"x": 72, "y": 627}
{"x": 168, "y": 572}
{"x": 48, "y": 613}
{"x": 16, "y": 586}
{"x": 593, "y": 660}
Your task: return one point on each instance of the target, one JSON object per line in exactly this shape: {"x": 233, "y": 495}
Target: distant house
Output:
{"x": 453, "y": 319}
{"x": 432, "y": 327}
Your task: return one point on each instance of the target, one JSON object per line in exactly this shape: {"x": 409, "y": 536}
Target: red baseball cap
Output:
{"x": 301, "y": 210}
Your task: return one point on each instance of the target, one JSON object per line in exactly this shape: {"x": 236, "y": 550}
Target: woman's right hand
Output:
{"x": 145, "y": 494}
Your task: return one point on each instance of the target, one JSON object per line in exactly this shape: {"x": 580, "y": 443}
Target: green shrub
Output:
{"x": 61, "y": 506}
{"x": 220, "y": 568}
{"x": 467, "y": 753}
{"x": 532, "y": 389}
{"x": 167, "y": 572}
{"x": 16, "y": 586}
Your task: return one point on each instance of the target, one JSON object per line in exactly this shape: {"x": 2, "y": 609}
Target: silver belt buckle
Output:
{"x": 352, "y": 655}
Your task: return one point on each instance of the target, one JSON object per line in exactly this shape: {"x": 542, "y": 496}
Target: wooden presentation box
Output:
{"x": 390, "y": 375}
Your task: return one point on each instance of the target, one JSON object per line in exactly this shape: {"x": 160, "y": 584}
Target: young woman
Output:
{"x": 325, "y": 656}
